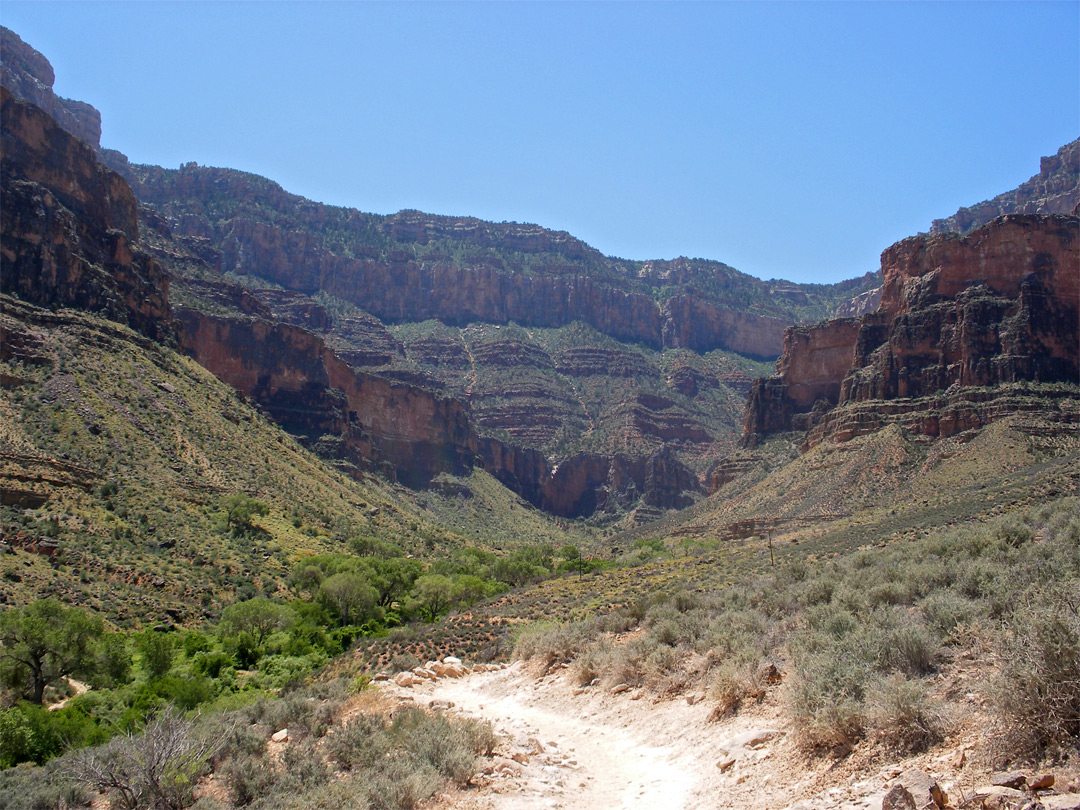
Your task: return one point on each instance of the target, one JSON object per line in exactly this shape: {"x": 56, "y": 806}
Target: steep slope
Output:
{"x": 118, "y": 452}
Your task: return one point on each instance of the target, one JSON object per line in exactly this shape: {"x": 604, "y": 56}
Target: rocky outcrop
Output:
{"x": 1054, "y": 190}
{"x": 412, "y": 433}
{"x": 689, "y": 322}
{"x": 69, "y": 227}
{"x": 28, "y": 75}
{"x": 998, "y": 306}
{"x": 588, "y": 483}
{"x": 413, "y": 267}
{"x": 860, "y": 305}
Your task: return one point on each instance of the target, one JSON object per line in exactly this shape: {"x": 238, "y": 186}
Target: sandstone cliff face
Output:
{"x": 402, "y": 289}
{"x": 306, "y": 388}
{"x": 412, "y": 266}
{"x": 408, "y": 432}
{"x": 588, "y": 483}
{"x": 1054, "y": 190}
{"x": 69, "y": 227}
{"x": 28, "y": 75}
{"x": 998, "y": 306}
{"x": 860, "y": 305}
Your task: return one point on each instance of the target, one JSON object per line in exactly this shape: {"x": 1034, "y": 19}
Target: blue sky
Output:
{"x": 790, "y": 140}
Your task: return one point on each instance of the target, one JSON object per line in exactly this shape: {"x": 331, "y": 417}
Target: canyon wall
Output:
{"x": 70, "y": 227}
{"x": 408, "y": 432}
{"x": 999, "y": 305}
{"x": 28, "y": 75}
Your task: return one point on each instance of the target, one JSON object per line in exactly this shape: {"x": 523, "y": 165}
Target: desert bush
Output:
{"x": 1037, "y": 691}
{"x": 435, "y": 740}
{"x": 250, "y": 777}
{"x": 403, "y": 662}
{"x": 900, "y": 717}
{"x": 156, "y": 769}
{"x": 401, "y": 784}
{"x": 907, "y": 645}
{"x": 944, "y": 610}
{"x": 589, "y": 665}
{"x": 29, "y": 787}
{"x": 359, "y": 743}
{"x": 553, "y": 644}
{"x": 334, "y": 795}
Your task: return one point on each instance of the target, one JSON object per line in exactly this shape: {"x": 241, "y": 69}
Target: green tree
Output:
{"x": 239, "y": 511}
{"x": 45, "y": 642}
{"x": 157, "y": 650}
{"x": 350, "y": 595}
{"x": 433, "y": 594}
{"x": 469, "y": 588}
{"x": 392, "y": 578}
{"x": 259, "y": 617}
{"x": 114, "y": 660}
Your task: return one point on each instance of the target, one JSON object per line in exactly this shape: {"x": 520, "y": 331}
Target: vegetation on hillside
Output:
{"x": 855, "y": 639}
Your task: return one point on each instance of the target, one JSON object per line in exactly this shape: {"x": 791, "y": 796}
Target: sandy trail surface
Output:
{"x": 598, "y": 751}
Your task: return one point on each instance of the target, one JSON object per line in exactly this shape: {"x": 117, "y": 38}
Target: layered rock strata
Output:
{"x": 69, "y": 226}
{"x": 1054, "y": 190}
{"x": 961, "y": 318}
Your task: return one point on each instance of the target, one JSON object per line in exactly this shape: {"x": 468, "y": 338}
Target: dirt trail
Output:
{"x": 583, "y": 762}
{"x": 80, "y": 689}
{"x": 597, "y": 751}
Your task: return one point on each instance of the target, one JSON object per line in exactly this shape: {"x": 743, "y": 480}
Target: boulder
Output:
{"x": 280, "y": 736}
{"x": 405, "y": 679}
{"x": 923, "y": 788}
{"x": 1012, "y": 779}
{"x": 898, "y": 798}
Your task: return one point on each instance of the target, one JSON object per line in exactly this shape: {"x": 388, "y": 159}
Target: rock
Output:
{"x": 280, "y": 736}
{"x": 381, "y": 676}
{"x": 1042, "y": 781}
{"x": 30, "y": 76}
{"x": 1053, "y": 190}
{"x": 955, "y": 314}
{"x": 451, "y": 660}
{"x": 1064, "y": 801}
{"x": 618, "y": 689}
{"x": 406, "y": 679}
{"x": 997, "y": 797}
{"x": 923, "y": 788}
{"x": 725, "y": 763}
{"x": 1012, "y": 779}
{"x": 70, "y": 227}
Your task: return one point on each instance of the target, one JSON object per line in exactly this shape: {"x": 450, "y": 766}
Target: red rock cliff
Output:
{"x": 1000, "y": 305}
{"x": 311, "y": 392}
{"x": 69, "y": 226}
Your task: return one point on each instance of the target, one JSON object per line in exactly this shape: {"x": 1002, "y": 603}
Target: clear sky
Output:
{"x": 790, "y": 140}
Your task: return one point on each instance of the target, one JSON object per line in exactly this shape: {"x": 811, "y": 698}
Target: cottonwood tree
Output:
{"x": 258, "y": 617}
{"x": 44, "y": 642}
{"x": 350, "y": 595}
